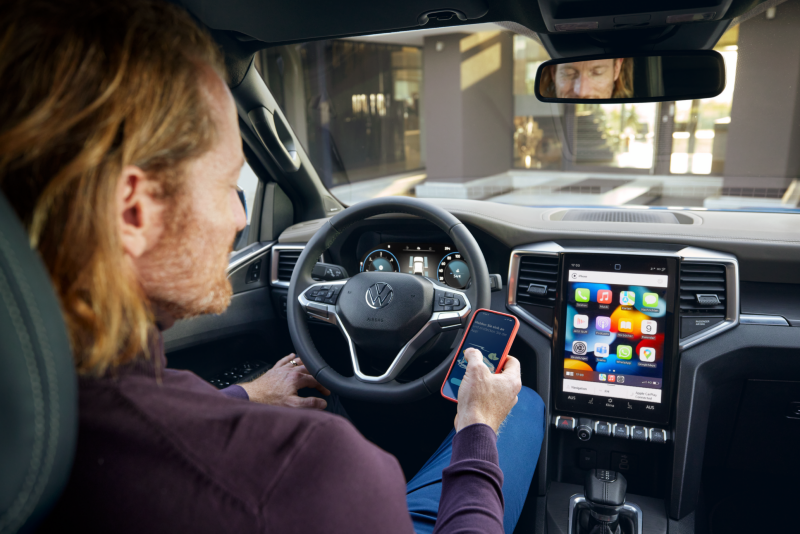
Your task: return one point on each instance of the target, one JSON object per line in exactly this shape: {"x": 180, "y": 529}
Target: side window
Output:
{"x": 248, "y": 183}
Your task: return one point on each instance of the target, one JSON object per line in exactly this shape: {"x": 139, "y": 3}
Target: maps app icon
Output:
{"x": 627, "y": 298}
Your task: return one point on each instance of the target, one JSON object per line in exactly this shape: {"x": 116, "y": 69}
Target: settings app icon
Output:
{"x": 579, "y": 348}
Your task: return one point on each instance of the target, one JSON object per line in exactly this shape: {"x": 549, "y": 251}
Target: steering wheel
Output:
{"x": 387, "y": 316}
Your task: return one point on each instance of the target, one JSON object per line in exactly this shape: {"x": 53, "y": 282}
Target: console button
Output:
{"x": 623, "y": 462}
{"x": 587, "y": 459}
{"x": 638, "y": 433}
{"x": 621, "y": 431}
{"x": 657, "y": 435}
{"x": 602, "y": 428}
{"x": 565, "y": 423}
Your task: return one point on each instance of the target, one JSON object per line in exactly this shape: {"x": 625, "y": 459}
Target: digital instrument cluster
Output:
{"x": 433, "y": 260}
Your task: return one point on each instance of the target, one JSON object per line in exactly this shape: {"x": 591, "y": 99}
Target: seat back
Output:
{"x": 38, "y": 386}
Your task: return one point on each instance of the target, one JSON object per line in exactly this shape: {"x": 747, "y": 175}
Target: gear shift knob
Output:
{"x": 605, "y": 488}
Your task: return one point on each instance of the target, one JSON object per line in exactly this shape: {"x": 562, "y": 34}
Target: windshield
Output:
{"x": 439, "y": 114}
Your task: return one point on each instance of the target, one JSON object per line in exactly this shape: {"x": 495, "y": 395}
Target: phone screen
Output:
{"x": 489, "y": 333}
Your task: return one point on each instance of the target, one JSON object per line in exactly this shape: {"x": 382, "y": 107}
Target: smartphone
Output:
{"x": 490, "y": 332}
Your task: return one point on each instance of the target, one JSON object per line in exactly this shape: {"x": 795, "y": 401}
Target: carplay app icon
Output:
{"x": 647, "y": 354}
{"x": 624, "y": 352}
{"x": 604, "y": 296}
{"x": 581, "y": 321}
{"x": 602, "y": 377}
{"x": 582, "y": 294}
{"x": 601, "y": 350}
{"x": 650, "y": 300}
{"x": 627, "y": 298}
{"x": 602, "y": 323}
{"x": 625, "y": 326}
{"x": 579, "y": 348}
{"x": 649, "y": 327}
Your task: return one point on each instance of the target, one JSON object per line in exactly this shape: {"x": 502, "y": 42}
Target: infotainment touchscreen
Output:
{"x": 615, "y": 335}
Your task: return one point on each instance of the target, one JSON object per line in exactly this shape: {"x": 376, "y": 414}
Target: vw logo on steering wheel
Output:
{"x": 379, "y": 295}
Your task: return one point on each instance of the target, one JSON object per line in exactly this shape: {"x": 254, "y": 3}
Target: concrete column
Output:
{"x": 469, "y": 105}
{"x": 763, "y": 148}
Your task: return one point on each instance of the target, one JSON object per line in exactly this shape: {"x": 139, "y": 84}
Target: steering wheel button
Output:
{"x": 449, "y": 295}
{"x": 320, "y": 299}
{"x": 448, "y": 308}
{"x": 441, "y": 301}
{"x": 448, "y": 302}
{"x": 449, "y": 319}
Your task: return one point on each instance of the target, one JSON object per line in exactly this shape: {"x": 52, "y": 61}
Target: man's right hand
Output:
{"x": 484, "y": 397}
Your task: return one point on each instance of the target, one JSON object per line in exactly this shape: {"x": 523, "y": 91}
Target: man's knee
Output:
{"x": 530, "y": 402}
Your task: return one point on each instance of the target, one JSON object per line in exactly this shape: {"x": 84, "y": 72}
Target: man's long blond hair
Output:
{"x": 86, "y": 88}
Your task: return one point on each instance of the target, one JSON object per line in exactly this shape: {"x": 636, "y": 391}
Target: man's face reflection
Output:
{"x": 589, "y": 80}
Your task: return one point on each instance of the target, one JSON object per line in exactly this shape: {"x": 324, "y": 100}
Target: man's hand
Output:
{"x": 279, "y": 386}
{"x": 485, "y": 397}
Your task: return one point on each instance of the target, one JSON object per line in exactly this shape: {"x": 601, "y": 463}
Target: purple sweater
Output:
{"x": 161, "y": 450}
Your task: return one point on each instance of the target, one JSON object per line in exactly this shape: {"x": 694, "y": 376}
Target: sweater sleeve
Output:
{"x": 235, "y": 392}
{"x": 472, "y": 497}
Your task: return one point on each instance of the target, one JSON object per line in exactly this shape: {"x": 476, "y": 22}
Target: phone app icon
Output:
{"x": 647, "y": 354}
{"x": 581, "y": 321}
{"x": 602, "y": 377}
{"x": 650, "y": 300}
{"x": 612, "y": 378}
{"x": 604, "y": 296}
{"x": 624, "y": 352}
{"x": 625, "y": 326}
{"x": 627, "y": 298}
{"x": 579, "y": 348}
{"x": 601, "y": 350}
{"x": 649, "y": 327}
{"x": 582, "y": 294}
{"x": 602, "y": 323}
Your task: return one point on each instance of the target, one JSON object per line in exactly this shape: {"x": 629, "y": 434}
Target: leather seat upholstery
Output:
{"x": 38, "y": 386}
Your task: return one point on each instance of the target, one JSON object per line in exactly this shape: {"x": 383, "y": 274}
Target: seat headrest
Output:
{"x": 38, "y": 386}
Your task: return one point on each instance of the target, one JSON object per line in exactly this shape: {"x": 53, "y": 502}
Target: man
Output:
{"x": 589, "y": 80}
{"x": 120, "y": 151}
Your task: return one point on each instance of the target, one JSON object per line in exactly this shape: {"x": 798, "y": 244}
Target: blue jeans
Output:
{"x": 518, "y": 445}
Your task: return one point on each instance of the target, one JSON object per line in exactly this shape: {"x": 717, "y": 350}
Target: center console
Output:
{"x": 617, "y": 318}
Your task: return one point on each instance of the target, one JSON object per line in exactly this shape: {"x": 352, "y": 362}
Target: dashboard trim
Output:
{"x": 246, "y": 255}
{"x": 686, "y": 255}
{"x": 764, "y": 320}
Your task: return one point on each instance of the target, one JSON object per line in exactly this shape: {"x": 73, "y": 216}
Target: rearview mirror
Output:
{"x": 613, "y": 79}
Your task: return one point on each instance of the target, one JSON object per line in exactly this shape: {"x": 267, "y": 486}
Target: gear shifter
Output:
{"x": 604, "y": 491}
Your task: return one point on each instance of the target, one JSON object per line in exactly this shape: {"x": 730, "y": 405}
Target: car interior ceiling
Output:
{"x": 724, "y": 462}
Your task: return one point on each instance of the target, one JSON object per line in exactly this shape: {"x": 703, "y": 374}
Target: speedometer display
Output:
{"x": 436, "y": 261}
{"x": 454, "y": 271}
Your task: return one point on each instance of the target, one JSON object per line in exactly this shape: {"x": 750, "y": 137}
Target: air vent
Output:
{"x": 537, "y": 284}
{"x": 287, "y": 258}
{"x": 700, "y": 284}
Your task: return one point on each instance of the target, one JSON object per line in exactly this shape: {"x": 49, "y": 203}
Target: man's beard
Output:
{"x": 185, "y": 273}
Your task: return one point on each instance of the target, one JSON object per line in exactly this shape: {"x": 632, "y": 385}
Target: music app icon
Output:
{"x": 604, "y": 296}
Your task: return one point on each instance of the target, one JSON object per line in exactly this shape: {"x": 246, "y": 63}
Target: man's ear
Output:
{"x": 138, "y": 213}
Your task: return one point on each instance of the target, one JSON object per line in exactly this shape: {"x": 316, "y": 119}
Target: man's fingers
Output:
{"x": 511, "y": 366}
{"x": 322, "y": 389}
{"x": 286, "y": 359}
{"x": 309, "y": 403}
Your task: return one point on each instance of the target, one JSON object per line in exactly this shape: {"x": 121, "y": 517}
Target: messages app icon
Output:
{"x": 624, "y": 352}
{"x": 582, "y": 294}
{"x": 650, "y": 300}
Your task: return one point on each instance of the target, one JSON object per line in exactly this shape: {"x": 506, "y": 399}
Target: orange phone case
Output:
{"x": 503, "y": 358}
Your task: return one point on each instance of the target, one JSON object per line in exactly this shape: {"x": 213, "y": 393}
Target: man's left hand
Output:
{"x": 279, "y": 386}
